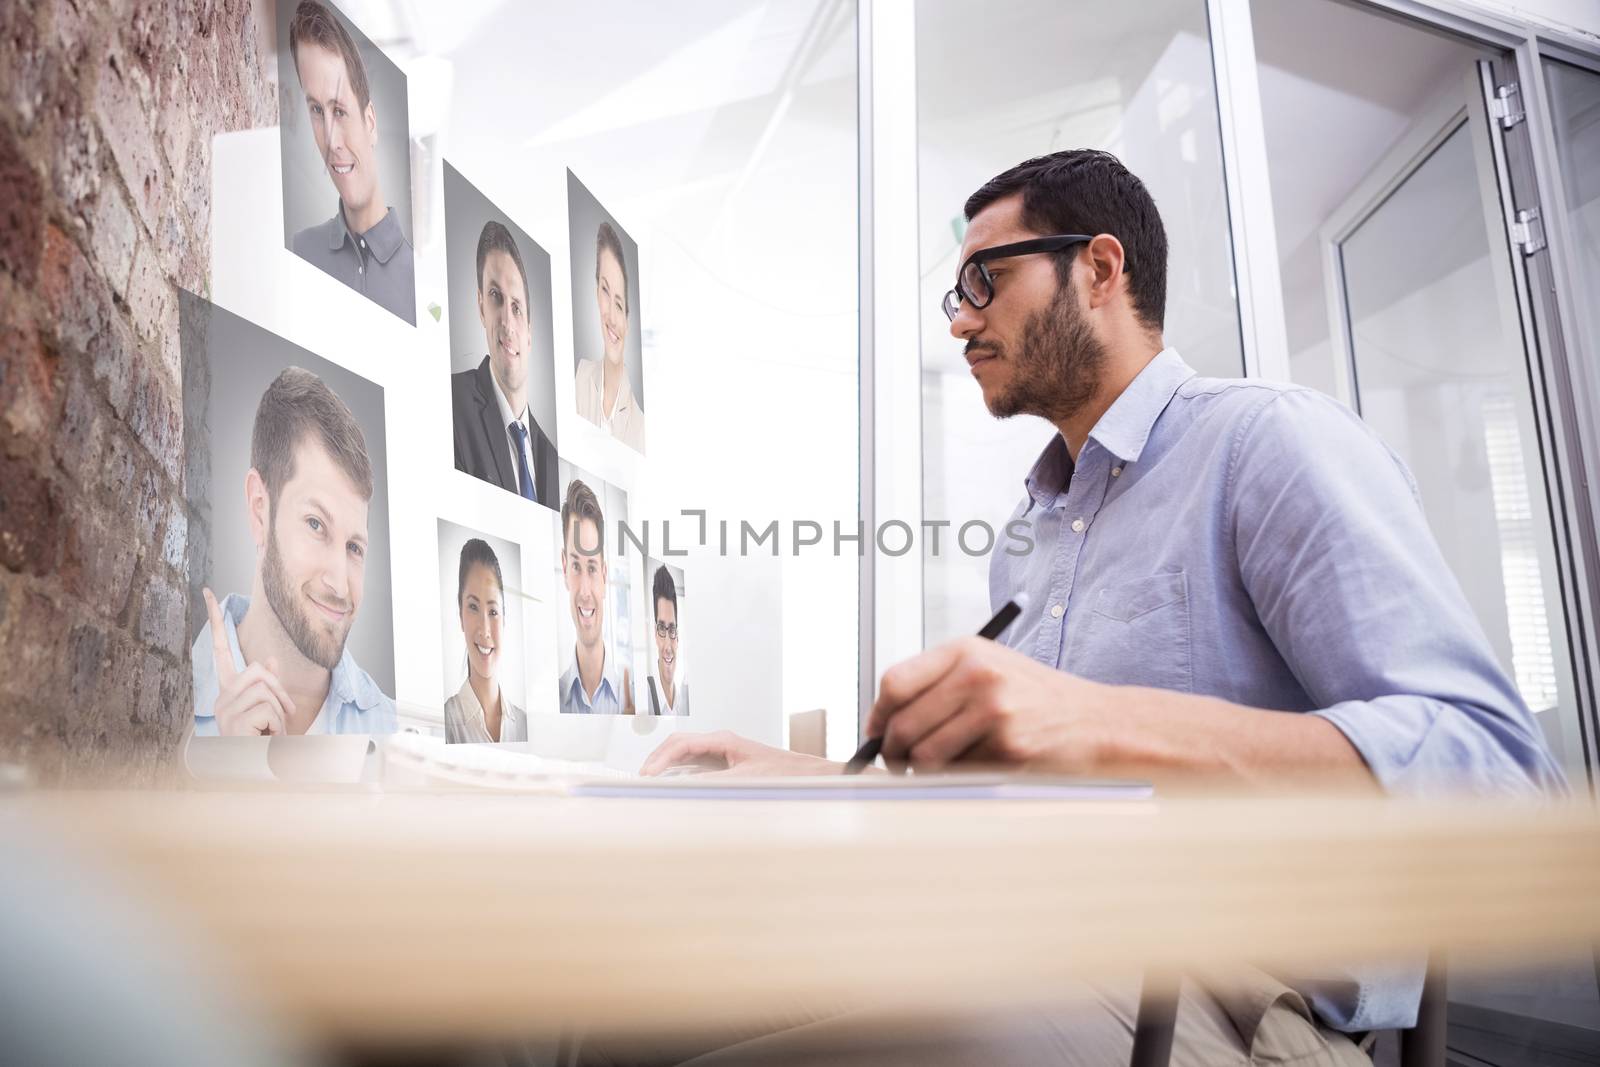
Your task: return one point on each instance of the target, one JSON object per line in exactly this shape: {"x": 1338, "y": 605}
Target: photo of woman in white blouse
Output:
{"x": 605, "y": 394}
{"x": 481, "y": 711}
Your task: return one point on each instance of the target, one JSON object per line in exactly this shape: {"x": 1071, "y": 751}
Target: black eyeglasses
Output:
{"x": 668, "y": 630}
{"x": 976, "y": 287}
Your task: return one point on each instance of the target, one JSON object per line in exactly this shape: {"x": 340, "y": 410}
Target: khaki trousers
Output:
{"x": 1254, "y": 1020}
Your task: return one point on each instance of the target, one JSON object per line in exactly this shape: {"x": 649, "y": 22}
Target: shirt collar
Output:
{"x": 1122, "y": 431}
{"x": 354, "y": 685}
{"x": 609, "y": 680}
{"x": 1050, "y": 473}
{"x": 383, "y": 240}
{"x": 624, "y": 391}
{"x": 470, "y": 705}
{"x": 1125, "y": 427}
{"x": 506, "y": 415}
{"x": 677, "y": 690}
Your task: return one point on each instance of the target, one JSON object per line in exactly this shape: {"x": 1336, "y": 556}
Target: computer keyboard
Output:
{"x": 418, "y": 761}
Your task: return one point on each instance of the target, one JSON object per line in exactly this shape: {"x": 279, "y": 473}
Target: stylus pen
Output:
{"x": 991, "y": 630}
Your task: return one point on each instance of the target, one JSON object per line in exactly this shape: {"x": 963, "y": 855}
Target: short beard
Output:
{"x": 319, "y": 645}
{"x": 1056, "y": 369}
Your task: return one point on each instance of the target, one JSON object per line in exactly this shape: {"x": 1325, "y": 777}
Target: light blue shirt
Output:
{"x": 608, "y": 697}
{"x": 1257, "y": 542}
{"x": 354, "y": 704}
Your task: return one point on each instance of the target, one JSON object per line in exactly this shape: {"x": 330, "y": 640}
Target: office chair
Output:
{"x": 1424, "y": 1044}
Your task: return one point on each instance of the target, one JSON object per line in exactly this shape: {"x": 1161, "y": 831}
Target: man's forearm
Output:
{"x": 1185, "y": 733}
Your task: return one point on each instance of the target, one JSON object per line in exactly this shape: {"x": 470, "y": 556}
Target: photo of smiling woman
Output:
{"x": 482, "y": 649}
{"x": 606, "y": 332}
{"x": 481, "y": 710}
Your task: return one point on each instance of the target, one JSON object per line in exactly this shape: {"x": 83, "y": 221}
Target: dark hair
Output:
{"x": 298, "y": 405}
{"x": 314, "y": 23}
{"x": 581, "y": 503}
{"x": 496, "y": 238}
{"x": 1085, "y": 191}
{"x": 606, "y": 240}
{"x": 476, "y": 553}
{"x": 664, "y": 589}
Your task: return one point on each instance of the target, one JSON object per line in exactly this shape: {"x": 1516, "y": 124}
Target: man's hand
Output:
{"x": 975, "y": 701}
{"x": 725, "y": 751}
{"x": 250, "y": 702}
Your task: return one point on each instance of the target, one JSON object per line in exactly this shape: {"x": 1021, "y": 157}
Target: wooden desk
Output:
{"x": 421, "y": 917}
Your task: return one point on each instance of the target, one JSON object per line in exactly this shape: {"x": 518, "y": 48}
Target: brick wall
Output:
{"x": 106, "y": 121}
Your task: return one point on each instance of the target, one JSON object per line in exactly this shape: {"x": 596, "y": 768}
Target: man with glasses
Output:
{"x": 1229, "y": 577}
{"x": 669, "y": 694}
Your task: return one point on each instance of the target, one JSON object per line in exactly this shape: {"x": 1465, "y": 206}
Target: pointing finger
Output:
{"x": 221, "y": 654}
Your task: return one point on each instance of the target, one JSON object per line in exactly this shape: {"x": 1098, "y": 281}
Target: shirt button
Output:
{"x": 1077, "y": 526}
{"x": 363, "y": 243}
{"x": 1116, "y": 472}
{"x": 361, "y": 270}
{"x": 1056, "y": 611}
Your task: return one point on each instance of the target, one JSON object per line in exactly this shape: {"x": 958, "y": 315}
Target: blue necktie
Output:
{"x": 524, "y": 480}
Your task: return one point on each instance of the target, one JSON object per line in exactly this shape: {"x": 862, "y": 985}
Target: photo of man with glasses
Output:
{"x": 668, "y": 688}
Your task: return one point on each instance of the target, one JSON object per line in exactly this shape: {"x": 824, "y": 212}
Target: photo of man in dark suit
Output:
{"x": 497, "y": 438}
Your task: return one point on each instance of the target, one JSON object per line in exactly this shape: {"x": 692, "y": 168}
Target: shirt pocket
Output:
{"x": 1137, "y": 633}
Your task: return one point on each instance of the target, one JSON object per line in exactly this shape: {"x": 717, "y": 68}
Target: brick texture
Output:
{"x": 107, "y": 113}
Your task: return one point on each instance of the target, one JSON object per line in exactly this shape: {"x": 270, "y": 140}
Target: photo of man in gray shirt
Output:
{"x": 363, "y": 244}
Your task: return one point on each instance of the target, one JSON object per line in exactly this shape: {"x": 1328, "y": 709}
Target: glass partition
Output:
{"x": 1026, "y": 78}
{"x": 1574, "y": 95}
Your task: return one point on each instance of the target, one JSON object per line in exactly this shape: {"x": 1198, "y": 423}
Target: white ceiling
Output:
{"x": 711, "y": 127}
{"x": 687, "y": 86}
{"x": 693, "y": 88}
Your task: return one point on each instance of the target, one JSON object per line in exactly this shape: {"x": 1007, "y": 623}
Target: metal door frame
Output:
{"x": 1439, "y": 121}
{"x": 1533, "y": 213}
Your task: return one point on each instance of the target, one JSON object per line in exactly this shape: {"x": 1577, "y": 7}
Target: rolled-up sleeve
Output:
{"x": 1335, "y": 551}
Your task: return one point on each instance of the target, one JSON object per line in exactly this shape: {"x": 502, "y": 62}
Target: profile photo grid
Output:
{"x": 540, "y": 611}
